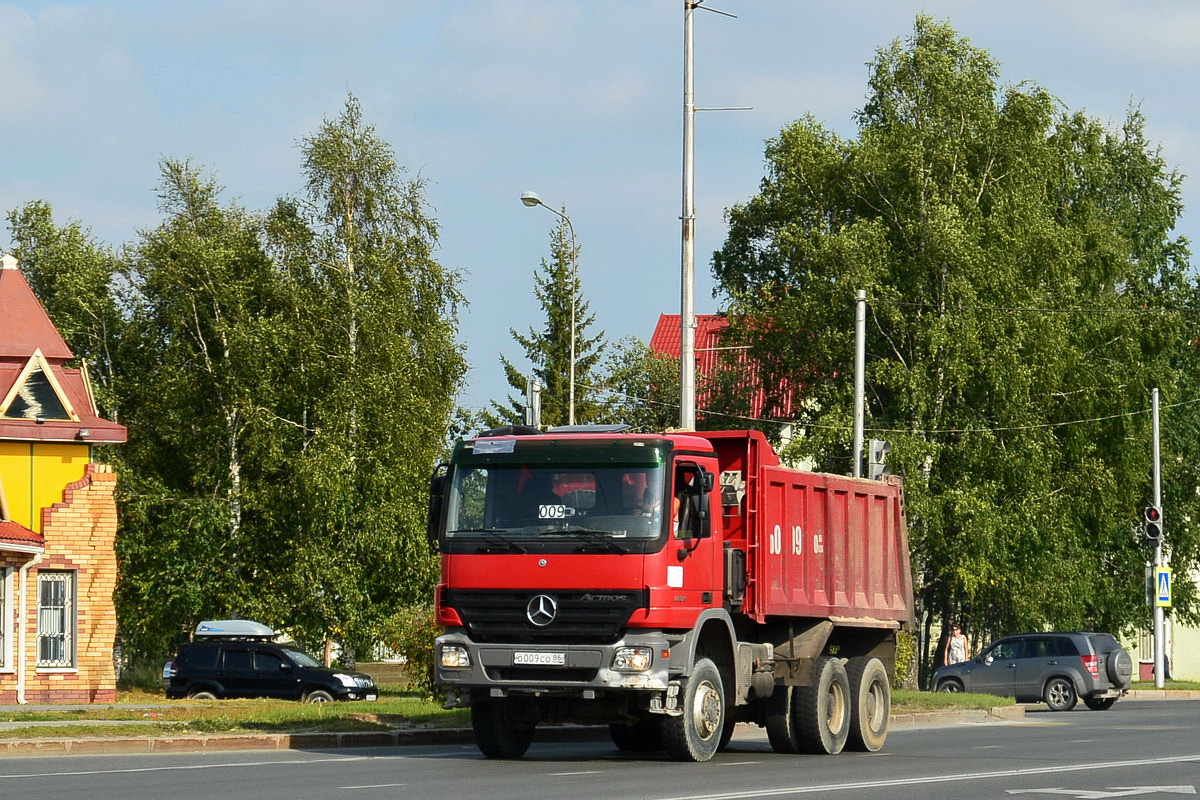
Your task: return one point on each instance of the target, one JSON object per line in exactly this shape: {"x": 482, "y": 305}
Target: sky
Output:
{"x": 578, "y": 100}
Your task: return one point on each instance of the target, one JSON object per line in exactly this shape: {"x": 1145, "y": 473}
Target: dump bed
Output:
{"x": 817, "y": 545}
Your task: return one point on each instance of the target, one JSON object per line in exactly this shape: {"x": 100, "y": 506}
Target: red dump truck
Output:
{"x": 668, "y": 586}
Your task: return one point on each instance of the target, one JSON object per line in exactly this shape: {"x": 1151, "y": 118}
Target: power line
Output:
{"x": 910, "y": 430}
{"x": 1034, "y": 309}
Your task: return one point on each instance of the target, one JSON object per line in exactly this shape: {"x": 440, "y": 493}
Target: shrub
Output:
{"x": 410, "y": 632}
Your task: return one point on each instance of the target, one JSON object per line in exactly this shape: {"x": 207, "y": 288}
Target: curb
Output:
{"x": 1163, "y": 694}
{"x": 117, "y": 745}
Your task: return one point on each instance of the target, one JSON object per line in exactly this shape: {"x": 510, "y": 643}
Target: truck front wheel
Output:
{"x": 695, "y": 734}
{"x": 870, "y": 704}
{"x": 503, "y": 728}
{"x": 822, "y": 711}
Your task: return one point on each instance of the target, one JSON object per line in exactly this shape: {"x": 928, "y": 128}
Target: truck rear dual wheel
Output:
{"x": 503, "y": 727}
{"x": 695, "y": 735}
{"x": 780, "y": 723}
{"x": 870, "y": 704}
{"x": 821, "y": 712}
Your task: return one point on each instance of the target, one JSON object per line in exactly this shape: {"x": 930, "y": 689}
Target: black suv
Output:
{"x": 235, "y": 658}
{"x": 1057, "y": 668}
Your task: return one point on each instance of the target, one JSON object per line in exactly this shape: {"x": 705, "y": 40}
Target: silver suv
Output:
{"x": 1057, "y": 668}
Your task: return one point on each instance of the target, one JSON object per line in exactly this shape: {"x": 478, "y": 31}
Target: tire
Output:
{"x": 1060, "y": 694}
{"x": 203, "y": 694}
{"x": 950, "y": 685}
{"x": 780, "y": 724}
{"x": 727, "y": 734}
{"x": 870, "y": 704}
{"x": 318, "y": 696}
{"x": 821, "y": 712}
{"x": 696, "y": 734}
{"x": 1120, "y": 668}
{"x": 1099, "y": 703}
{"x": 503, "y": 728}
{"x": 641, "y": 737}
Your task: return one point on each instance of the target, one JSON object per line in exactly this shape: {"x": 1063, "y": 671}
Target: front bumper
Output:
{"x": 585, "y": 671}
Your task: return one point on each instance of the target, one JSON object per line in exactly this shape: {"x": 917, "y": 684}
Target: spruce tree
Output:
{"x": 548, "y": 351}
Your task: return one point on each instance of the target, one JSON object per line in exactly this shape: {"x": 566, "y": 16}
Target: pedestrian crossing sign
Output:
{"x": 1162, "y": 587}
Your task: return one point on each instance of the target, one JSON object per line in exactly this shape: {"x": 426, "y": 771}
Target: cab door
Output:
{"x": 692, "y": 573}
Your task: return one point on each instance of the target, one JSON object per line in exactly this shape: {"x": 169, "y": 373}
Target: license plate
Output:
{"x": 542, "y": 659}
{"x": 372, "y": 697}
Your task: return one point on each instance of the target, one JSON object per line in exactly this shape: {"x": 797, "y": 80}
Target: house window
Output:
{"x": 56, "y": 619}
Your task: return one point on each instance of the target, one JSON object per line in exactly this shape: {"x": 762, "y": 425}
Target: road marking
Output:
{"x": 1083, "y": 741}
{"x": 182, "y": 767}
{"x": 739, "y": 763}
{"x": 584, "y": 772}
{"x": 1112, "y": 791}
{"x": 988, "y": 747}
{"x": 373, "y": 786}
{"x": 955, "y": 778}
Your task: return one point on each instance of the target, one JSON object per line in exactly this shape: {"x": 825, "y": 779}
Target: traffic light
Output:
{"x": 1153, "y": 517}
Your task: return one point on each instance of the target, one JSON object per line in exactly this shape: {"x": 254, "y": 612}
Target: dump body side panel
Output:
{"x": 829, "y": 546}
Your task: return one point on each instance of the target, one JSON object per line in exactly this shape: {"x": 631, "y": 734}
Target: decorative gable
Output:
{"x": 37, "y": 395}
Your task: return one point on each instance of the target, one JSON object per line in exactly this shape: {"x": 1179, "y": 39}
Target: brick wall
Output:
{"x": 80, "y": 533}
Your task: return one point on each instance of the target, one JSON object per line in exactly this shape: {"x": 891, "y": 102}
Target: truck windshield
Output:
{"x": 534, "y": 500}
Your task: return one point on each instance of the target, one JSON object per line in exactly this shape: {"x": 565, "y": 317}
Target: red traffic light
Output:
{"x": 1152, "y": 514}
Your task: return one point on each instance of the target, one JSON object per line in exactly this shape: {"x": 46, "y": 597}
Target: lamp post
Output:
{"x": 531, "y": 199}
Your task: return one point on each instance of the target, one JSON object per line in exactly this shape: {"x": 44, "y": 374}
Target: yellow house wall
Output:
{"x": 34, "y": 476}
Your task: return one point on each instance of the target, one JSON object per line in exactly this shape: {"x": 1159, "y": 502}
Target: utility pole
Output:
{"x": 860, "y": 362}
{"x": 1160, "y": 646}
{"x": 687, "y": 300}
{"x": 687, "y": 269}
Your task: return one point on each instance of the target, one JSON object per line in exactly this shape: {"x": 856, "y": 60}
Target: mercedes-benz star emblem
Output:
{"x": 542, "y": 610}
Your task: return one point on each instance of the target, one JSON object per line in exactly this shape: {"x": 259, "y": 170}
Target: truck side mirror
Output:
{"x": 704, "y": 517}
{"x": 437, "y": 491}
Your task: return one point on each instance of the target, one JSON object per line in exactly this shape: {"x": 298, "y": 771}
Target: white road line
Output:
{"x": 373, "y": 786}
{"x": 964, "y": 776}
{"x": 988, "y": 747}
{"x": 183, "y": 767}
{"x": 585, "y": 772}
{"x": 739, "y": 763}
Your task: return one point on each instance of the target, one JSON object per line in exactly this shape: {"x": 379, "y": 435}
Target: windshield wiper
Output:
{"x": 496, "y": 542}
{"x": 593, "y": 540}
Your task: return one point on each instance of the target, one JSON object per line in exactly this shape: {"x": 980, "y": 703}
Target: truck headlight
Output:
{"x": 455, "y": 656}
{"x": 632, "y": 659}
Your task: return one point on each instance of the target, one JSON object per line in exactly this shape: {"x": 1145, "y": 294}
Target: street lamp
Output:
{"x": 531, "y": 199}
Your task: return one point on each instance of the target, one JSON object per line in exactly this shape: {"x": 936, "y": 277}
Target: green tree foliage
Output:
{"x": 200, "y": 378}
{"x": 74, "y": 277}
{"x": 374, "y": 368}
{"x": 641, "y": 387}
{"x": 548, "y": 351}
{"x": 1017, "y": 258}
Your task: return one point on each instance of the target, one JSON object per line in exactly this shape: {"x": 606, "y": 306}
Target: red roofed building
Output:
{"x": 58, "y": 521}
{"x": 709, "y": 329}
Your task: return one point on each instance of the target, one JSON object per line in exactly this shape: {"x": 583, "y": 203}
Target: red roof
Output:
{"x": 24, "y": 329}
{"x": 24, "y": 325}
{"x": 11, "y": 533}
{"x": 709, "y": 329}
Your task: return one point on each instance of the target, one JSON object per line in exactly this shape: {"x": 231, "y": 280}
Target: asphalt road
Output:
{"x": 1136, "y": 749}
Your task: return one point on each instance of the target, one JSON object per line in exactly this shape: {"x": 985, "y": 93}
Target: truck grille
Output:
{"x": 583, "y": 616}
